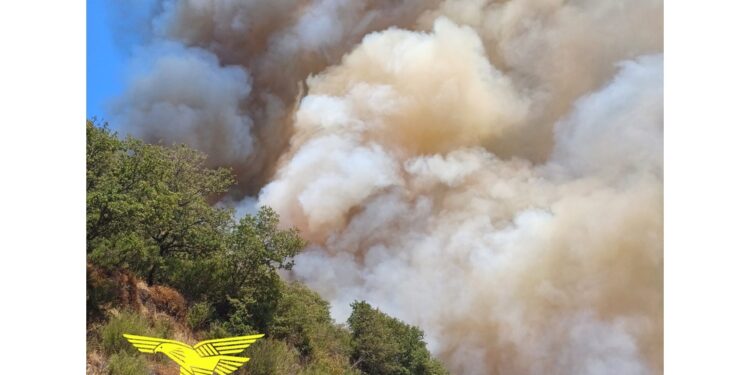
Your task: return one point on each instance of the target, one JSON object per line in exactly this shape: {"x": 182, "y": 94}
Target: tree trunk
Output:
{"x": 154, "y": 267}
{"x": 151, "y": 274}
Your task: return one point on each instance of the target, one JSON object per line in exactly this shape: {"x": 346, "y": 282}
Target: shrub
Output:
{"x": 162, "y": 327}
{"x": 330, "y": 366}
{"x": 125, "y": 322}
{"x": 217, "y": 330}
{"x": 304, "y": 321}
{"x": 168, "y": 300}
{"x": 271, "y": 357}
{"x": 124, "y": 363}
{"x": 199, "y": 314}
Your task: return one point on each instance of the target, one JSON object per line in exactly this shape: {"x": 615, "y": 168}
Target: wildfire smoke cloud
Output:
{"x": 488, "y": 170}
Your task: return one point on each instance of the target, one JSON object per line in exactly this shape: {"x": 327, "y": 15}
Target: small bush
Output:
{"x": 329, "y": 366}
{"x": 124, "y": 363}
{"x": 126, "y": 322}
{"x": 217, "y": 330}
{"x": 162, "y": 327}
{"x": 199, "y": 314}
{"x": 271, "y": 357}
{"x": 169, "y": 301}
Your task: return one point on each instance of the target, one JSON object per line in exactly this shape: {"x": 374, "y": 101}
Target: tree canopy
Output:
{"x": 147, "y": 203}
{"x": 386, "y": 345}
{"x": 151, "y": 209}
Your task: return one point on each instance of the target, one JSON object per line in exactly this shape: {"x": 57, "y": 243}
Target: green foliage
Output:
{"x": 124, "y": 363}
{"x": 217, "y": 330}
{"x": 123, "y": 251}
{"x": 161, "y": 327}
{"x": 435, "y": 367}
{"x": 110, "y": 334}
{"x": 329, "y": 366}
{"x": 255, "y": 249}
{"x": 385, "y": 345}
{"x": 199, "y": 314}
{"x": 128, "y": 322}
{"x": 256, "y": 243}
{"x": 304, "y": 321}
{"x": 198, "y": 278}
{"x": 147, "y": 203}
{"x": 150, "y": 209}
{"x": 240, "y": 320}
{"x": 271, "y": 357}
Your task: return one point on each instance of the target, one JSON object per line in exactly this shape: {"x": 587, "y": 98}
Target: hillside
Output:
{"x": 303, "y": 340}
{"x": 164, "y": 260}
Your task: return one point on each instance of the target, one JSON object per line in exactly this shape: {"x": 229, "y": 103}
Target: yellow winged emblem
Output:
{"x": 204, "y": 358}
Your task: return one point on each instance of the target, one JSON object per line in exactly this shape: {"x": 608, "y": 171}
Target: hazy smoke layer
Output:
{"x": 489, "y": 171}
{"x": 273, "y": 44}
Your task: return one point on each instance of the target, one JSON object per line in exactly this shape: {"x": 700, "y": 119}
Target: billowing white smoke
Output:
{"x": 488, "y": 170}
{"x": 273, "y": 44}
{"x": 510, "y": 267}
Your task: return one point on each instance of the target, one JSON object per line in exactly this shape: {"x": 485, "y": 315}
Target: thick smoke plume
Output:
{"x": 488, "y": 170}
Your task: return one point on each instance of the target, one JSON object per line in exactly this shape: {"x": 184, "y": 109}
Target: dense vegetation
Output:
{"x": 151, "y": 216}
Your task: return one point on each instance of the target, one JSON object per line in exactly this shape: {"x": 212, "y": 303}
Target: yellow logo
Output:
{"x": 204, "y": 358}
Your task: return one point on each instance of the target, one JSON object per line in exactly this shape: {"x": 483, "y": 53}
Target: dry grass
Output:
{"x": 162, "y": 307}
{"x": 96, "y": 363}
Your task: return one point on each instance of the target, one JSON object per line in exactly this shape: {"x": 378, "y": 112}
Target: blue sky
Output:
{"x": 105, "y": 61}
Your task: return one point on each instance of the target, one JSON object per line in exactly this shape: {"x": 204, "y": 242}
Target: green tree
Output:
{"x": 151, "y": 209}
{"x": 304, "y": 321}
{"x": 241, "y": 280}
{"x": 388, "y": 346}
{"x": 178, "y": 216}
{"x": 107, "y": 199}
{"x": 255, "y": 249}
{"x": 149, "y": 203}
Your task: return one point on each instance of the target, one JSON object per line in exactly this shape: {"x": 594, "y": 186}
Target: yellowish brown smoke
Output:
{"x": 276, "y": 44}
{"x": 488, "y": 170}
